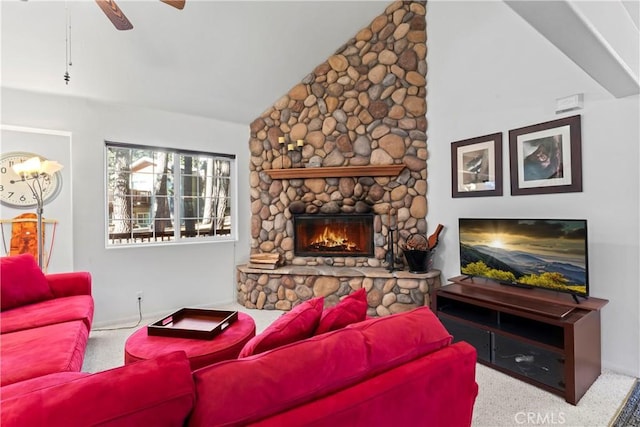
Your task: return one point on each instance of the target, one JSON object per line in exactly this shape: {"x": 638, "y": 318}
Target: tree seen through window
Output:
{"x": 181, "y": 195}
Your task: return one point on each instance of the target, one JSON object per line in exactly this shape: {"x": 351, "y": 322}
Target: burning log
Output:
{"x": 333, "y": 241}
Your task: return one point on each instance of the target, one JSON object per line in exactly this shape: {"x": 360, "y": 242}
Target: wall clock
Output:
{"x": 16, "y": 193}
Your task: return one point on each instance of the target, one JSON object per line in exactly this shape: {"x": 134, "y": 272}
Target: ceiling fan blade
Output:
{"x": 178, "y": 4}
{"x": 115, "y": 15}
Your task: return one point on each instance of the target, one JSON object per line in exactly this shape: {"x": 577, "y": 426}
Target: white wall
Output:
{"x": 58, "y": 239}
{"x": 171, "y": 276}
{"x": 489, "y": 71}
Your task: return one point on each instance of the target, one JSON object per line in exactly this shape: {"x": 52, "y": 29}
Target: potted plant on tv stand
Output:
{"x": 418, "y": 250}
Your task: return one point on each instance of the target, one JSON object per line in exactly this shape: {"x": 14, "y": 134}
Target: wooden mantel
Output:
{"x": 336, "y": 171}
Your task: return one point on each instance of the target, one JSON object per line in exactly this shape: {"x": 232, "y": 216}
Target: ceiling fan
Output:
{"x": 115, "y": 15}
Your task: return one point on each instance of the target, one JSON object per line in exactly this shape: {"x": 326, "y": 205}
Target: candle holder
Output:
{"x": 293, "y": 150}
{"x": 300, "y": 146}
{"x": 283, "y": 148}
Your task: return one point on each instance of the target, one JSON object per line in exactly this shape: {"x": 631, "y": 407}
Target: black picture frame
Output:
{"x": 546, "y": 158}
{"x": 476, "y": 166}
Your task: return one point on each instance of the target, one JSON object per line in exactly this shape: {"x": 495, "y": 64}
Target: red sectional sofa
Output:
{"x": 44, "y": 321}
{"x": 395, "y": 370}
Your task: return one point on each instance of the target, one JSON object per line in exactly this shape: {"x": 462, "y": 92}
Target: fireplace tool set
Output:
{"x": 391, "y": 256}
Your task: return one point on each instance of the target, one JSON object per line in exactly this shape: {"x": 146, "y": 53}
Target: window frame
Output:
{"x": 178, "y": 199}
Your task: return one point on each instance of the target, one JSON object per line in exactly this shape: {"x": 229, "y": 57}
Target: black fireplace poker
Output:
{"x": 390, "y": 254}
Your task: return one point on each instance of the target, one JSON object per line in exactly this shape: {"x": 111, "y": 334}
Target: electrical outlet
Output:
{"x": 139, "y": 295}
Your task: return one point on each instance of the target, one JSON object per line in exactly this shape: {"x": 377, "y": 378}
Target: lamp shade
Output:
{"x": 35, "y": 166}
{"x": 29, "y": 166}
{"x": 50, "y": 167}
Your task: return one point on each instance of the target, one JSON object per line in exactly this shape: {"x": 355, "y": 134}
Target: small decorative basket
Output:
{"x": 416, "y": 252}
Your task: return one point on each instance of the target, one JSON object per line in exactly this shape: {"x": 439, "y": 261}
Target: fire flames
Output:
{"x": 330, "y": 239}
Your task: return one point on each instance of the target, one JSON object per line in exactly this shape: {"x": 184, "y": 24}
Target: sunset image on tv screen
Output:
{"x": 547, "y": 253}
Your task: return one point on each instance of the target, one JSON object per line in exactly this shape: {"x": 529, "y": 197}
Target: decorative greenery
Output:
{"x": 545, "y": 279}
{"x": 548, "y": 280}
{"x": 480, "y": 269}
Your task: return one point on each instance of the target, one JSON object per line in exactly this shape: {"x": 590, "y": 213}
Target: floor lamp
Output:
{"x": 33, "y": 172}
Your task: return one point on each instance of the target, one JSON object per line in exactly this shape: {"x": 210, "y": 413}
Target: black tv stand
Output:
{"x": 541, "y": 337}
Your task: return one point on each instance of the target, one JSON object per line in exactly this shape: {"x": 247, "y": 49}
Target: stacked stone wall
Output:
{"x": 365, "y": 105}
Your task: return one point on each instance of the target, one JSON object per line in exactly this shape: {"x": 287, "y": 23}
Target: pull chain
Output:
{"x": 68, "y": 63}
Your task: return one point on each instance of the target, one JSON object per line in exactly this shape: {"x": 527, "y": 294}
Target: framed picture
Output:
{"x": 476, "y": 166}
{"x": 546, "y": 158}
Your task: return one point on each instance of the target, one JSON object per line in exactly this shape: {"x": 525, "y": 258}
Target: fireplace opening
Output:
{"x": 333, "y": 235}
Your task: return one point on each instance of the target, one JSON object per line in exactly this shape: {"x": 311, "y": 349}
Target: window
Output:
{"x": 143, "y": 219}
{"x": 166, "y": 195}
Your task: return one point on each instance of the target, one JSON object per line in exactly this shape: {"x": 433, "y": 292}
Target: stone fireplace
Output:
{"x": 360, "y": 126}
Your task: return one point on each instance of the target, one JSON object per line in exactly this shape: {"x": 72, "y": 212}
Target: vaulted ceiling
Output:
{"x": 601, "y": 37}
{"x": 231, "y": 59}
{"x": 222, "y": 59}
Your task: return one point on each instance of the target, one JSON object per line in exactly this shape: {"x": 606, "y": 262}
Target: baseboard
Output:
{"x": 132, "y": 321}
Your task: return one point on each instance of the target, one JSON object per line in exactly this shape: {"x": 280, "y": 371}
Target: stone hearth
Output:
{"x": 283, "y": 288}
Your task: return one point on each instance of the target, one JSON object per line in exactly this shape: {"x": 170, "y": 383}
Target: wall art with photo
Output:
{"x": 546, "y": 157}
{"x": 476, "y": 166}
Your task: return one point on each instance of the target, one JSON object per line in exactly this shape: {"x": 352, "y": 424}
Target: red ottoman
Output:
{"x": 227, "y": 345}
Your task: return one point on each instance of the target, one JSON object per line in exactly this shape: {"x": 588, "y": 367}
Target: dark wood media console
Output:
{"x": 541, "y": 337}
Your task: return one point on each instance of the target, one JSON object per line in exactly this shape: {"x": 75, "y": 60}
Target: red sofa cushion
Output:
{"x": 70, "y": 283}
{"x": 351, "y": 309}
{"x": 35, "y": 352}
{"x": 49, "y": 312}
{"x": 437, "y": 389}
{"x": 156, "y": 392}
{"x": 264, "y": 384}
{"x": 28, "y": 386}
{"x": 310, "y": 369}
{"x": 402, "y": 337}
{"x": 298, "y": 324}
{"x": 21, "y": 282}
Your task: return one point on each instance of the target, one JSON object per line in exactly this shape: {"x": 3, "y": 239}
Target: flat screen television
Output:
{"x": 537, "y": 253}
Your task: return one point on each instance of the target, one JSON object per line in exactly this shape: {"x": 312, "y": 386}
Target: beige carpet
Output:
{"x": 505, "y": 401}
{"x": 502, "y": 400}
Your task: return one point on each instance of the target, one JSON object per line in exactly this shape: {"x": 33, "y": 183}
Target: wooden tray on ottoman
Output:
{"x": 196, "y": 323}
